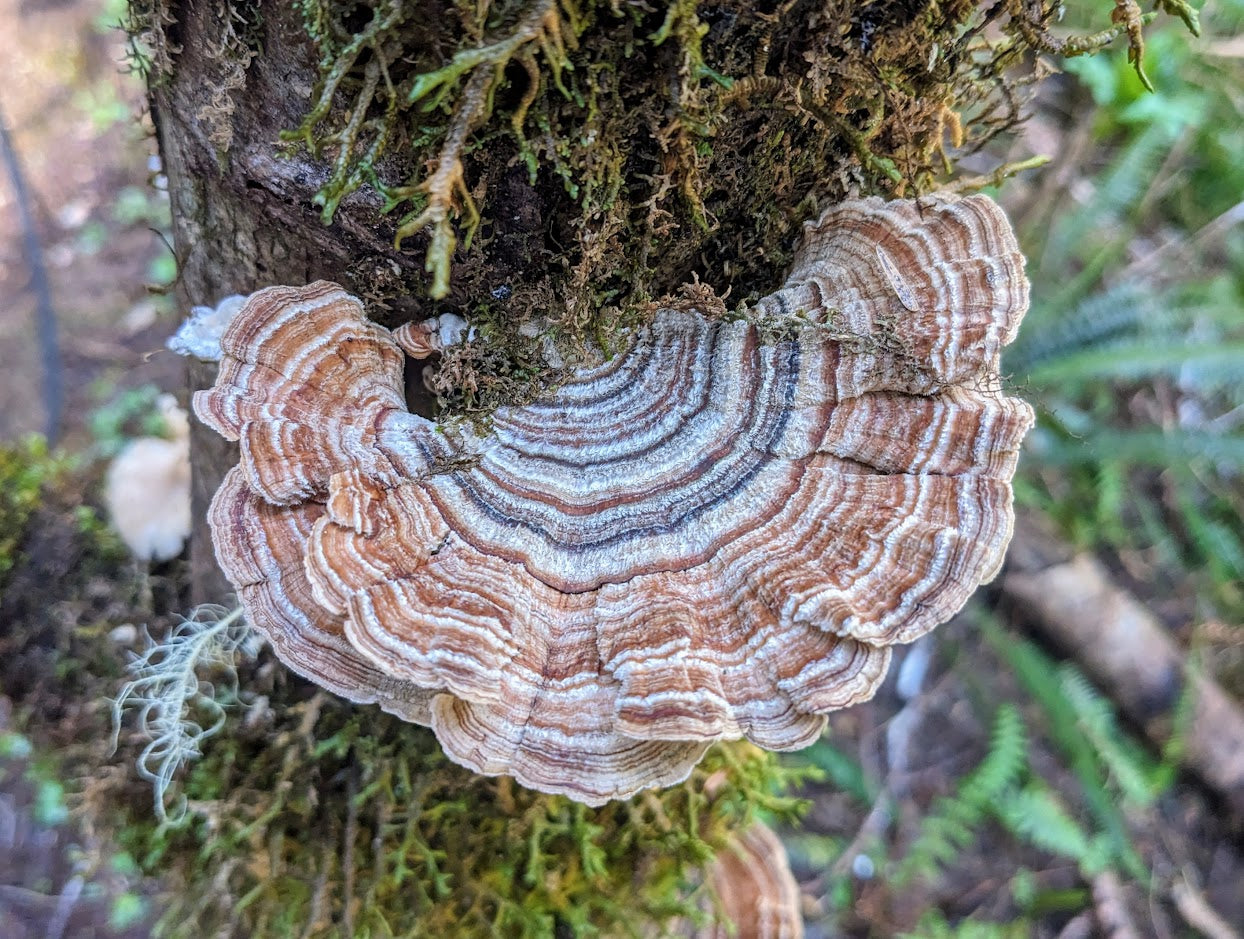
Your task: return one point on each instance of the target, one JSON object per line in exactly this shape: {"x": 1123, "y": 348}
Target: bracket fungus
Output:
{"x": 711, "y": 536}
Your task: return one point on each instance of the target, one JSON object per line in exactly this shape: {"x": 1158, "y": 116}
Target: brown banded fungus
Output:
{"x": 759, "y": 895}
{"x": 710, "y": 537}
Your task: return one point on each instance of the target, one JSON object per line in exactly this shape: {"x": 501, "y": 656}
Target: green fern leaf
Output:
{"x": 1130, "y": 767}
{"x": 950, "y": 824}
{"x": 1038, "y": 673}
{"x": 1034, "y": 814}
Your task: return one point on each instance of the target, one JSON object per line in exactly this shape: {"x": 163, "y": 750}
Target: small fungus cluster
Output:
{"x": 718, "y": 534}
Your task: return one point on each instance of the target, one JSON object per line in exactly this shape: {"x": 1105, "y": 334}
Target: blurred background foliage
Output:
{"x": 1133, "y": 350}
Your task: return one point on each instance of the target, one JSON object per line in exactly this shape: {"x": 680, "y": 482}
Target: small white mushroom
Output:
{"x": 147, "y": 491}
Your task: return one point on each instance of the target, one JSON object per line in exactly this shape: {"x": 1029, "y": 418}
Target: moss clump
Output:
{"x": 560, "y": 164}
{"x": 658, "y": 142}
{"x": 26, "y": 467}
{"x": 326, "y": 819}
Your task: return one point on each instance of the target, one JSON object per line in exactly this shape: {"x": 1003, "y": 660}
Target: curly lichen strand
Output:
{"x": 1185, "y": 11}
{"x": 528, "y": 61}
{"x": 691, "y": 118}
{"x": 858, "y": 138}
{"x": 541, "y": 27}
{"x": 150, "y": 51}
{"x": 969, "y": 184}
{"x": 1127, "y": 14}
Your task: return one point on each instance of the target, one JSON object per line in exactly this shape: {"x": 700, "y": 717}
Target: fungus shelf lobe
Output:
{"x": 709, "y": 537}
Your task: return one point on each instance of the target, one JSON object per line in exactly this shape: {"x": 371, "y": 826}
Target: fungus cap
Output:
{"x": 759, "y": 895}
{"x": 710, "y": 537}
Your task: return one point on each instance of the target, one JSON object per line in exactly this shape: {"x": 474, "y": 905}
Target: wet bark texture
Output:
{"x": 246, "y": 220}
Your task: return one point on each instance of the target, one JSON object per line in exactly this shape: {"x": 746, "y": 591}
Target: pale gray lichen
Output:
{"x": 177, "y": 709}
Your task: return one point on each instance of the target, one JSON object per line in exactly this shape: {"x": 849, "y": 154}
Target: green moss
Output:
{"x": 657, "y": 142}
{"x": 336, "y": 820}
{"x": 26, "y": 467}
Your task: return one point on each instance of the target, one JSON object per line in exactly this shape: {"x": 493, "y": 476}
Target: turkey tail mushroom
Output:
{"x": 758, "y": 894}
{"x": 710, "y": 537}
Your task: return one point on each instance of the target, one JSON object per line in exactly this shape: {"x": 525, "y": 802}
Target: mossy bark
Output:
{"x": 243, "y": 219}
{"x": 614, "y": 151}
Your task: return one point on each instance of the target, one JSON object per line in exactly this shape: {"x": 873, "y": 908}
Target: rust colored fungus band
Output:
{"x": 707, "y": 538}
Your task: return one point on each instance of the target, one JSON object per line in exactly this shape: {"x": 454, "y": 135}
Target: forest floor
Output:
{"x": 896, "y": 838}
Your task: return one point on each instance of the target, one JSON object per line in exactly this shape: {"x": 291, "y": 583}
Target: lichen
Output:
{"x": 233, "y": 53}
{"x": 171, "y": 695}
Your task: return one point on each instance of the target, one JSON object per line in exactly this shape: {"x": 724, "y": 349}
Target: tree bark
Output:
{"x": 245, "y": 219}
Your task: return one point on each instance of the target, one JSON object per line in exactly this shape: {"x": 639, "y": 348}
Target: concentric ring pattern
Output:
{"x": 710, "y": 537}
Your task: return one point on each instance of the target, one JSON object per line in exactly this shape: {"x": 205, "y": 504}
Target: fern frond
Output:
{"x": 1035, "y": 814}
{"x": 1140, "y": 358}
{"x": 1146, "y": 448}
{"x": 933, "y": 925}
{"x": 1131, "y": 174}
{"x": 842, "y": 771}
{"x": 1182, "y": 716}
{"x": 1006, "y": 759}
{"x": 1083, "y": 239}
{"x": 1038, "y": 674}
{"x": 949, "y": 826}
{"x": 1130, "y": 767}
{"x": 1052, "y": 333}
{"x": 171, "y": 698}
{"x": 1220, "y": 545}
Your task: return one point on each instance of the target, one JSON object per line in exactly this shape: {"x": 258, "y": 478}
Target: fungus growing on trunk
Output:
{"x": 759, "y": 895}
{"x": 714, "y": 535}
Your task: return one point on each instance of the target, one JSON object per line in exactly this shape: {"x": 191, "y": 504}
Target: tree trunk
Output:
{"x": 244, "y": 219}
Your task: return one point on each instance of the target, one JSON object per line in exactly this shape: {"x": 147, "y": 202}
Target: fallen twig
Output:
{"x": 1198, "y": 914}
{"x": 1111, "y": 907}
{"x": 1073, "y": 599}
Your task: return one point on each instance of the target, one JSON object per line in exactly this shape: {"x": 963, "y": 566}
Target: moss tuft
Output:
{"x": 327, "y": 819}
{"x": 26, "y": 467}
{"x": 687, "y": 138}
